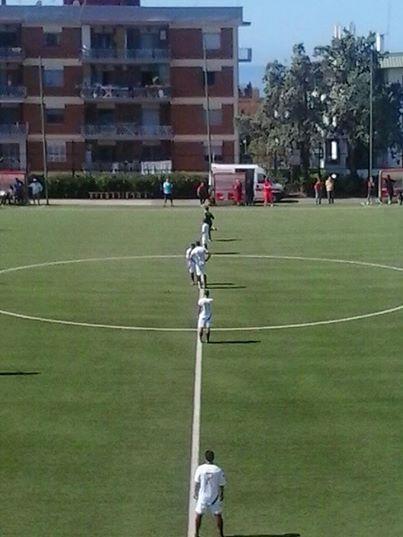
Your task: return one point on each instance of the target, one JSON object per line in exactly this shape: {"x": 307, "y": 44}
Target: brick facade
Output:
{"x": 126, "y": 93}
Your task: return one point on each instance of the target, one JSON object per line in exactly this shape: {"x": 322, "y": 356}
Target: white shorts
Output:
{"x": 191, "y": 267}
{"x": 202, "y": 507}
{"x": 204, "y": 322}
{"x": 199, "y": 270}
{"x": 204, "y": 240}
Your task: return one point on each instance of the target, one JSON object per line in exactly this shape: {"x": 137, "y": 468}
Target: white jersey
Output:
{"x": 210, "y": 478}
{"x": 199, "y": 255}
{"x": 205, "y": 305}
{"x": 189, "y": 260}
{"x": 205, "y": 234}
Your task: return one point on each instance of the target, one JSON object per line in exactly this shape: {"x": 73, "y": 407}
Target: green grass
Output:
{"x": 305, "y": 422}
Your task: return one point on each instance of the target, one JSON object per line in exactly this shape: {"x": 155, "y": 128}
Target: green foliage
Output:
{"x": 145, "y": 186}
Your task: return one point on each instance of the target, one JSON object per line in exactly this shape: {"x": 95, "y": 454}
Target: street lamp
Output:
{"x": 377, "y": 46}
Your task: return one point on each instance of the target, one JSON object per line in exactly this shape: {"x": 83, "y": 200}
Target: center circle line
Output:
{"x": 218, "y": 329}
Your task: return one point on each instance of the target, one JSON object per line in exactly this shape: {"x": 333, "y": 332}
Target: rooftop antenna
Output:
{"x": 388, "y": 31}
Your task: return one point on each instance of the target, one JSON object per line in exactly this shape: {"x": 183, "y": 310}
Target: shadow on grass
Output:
{"x": 268, "y": 535}
{"x": 226, "y": 240}
{"x": 17, "y": 373}
{"x": 226, "y": 253}
{"x": 227, "y": 287}
{"x": 237, "y": 342}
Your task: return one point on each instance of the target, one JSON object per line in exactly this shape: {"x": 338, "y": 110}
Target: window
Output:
{"x": 216, "y": 152}
{"x": 53, "y": 78}
{"x": 210, "y": 77}
{"x": 52, "y": 39}
{"x": 212, "y": 40}
{"x": 55, "y": 115}
{"x": 215, "y": 118}
{"x": 56, "y": 151}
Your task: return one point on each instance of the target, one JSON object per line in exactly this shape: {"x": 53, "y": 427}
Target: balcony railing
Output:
{"x": 10, "y": 163}
{"x": 109, "y": 166}
{"x": 13, "y": 130}
{"x": 12, "y": 92}
{"x": 127, "y": 131}
{"x": 10, "y": 54}
{"x": 125, "y": 55}
{"x": 245, "y": 55}
{"x": 116, "y": 93}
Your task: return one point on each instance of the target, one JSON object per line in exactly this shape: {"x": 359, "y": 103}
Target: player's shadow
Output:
{"x": 237, "y": 342}
{"x": 226, "y": 253}
{"x": 226, "y": 240}
{"x": 269, "y": 535}
{"x": 18, "y": 373}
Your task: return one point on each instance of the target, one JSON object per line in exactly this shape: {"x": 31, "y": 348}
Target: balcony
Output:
{"x": 127, "y": 131}
{"x": 13, "y": 131}
{"x": 99, "y": 93}
{"x": 11, "y": 54}
{"x": 13, "y": 94}
{"x": 113, "y": 55}
{"x": 245, "y": 55}
{"x": 115, "y": 167}
{"x": 11, "y": 163}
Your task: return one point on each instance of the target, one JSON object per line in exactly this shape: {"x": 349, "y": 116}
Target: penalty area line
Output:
{"x": 195, "y": 439}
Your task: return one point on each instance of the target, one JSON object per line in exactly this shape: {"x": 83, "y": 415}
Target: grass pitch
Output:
{"x": 306, "y": 422}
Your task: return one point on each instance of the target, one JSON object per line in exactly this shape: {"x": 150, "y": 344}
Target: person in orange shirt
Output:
{"x": 318, "y": 187}
{"x": 238, "y": 192}
{"x": 268, "y": 193}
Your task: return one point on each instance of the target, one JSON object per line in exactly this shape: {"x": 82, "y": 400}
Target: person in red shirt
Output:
{"x": 202, "y": 192}
{"x": 318, "y": 187}
{"x": 268, "y": 193}
{"x": 238, "y": 192}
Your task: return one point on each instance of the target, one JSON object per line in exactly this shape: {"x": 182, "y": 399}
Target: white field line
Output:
{"x": 195, "y": 442}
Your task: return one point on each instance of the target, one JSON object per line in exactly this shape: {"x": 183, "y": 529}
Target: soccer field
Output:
{"x": 302, "y": 403}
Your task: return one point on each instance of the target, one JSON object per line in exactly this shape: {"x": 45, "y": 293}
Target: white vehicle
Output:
{"x": 224, "y": 176}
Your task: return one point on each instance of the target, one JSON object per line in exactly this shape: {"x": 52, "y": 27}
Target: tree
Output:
{"x": 346, "y": 67}
{"x": 290, "y": 120}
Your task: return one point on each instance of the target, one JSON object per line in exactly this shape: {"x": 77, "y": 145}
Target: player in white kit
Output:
{"x": 200, "y": 256}
{"x": 190, "y": 263}
{"x": 205, "y": 232}
{"x": 209, "y": 492}
{"x": 205, "y": 316}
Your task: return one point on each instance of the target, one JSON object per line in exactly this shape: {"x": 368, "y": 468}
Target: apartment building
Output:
{"x": 113, "y": 85}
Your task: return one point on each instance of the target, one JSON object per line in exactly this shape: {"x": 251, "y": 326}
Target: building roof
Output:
{"x": 392, "y": 60}
{"x": 69, "y": 15}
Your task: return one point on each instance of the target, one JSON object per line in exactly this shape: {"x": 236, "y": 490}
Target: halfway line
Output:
{"x": 195, "y": 445}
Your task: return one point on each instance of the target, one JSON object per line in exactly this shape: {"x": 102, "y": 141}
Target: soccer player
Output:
{"x": 200, "y": 256}
{"x": 209, "y": 492}
{"x": 209, "y": 219}
{"x": 190, "y": 263}
{"x": 205, "y": 232}
{"x": 205, "y": 316}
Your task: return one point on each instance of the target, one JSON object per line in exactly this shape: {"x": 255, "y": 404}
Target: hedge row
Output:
{"x": 150, "y": 186}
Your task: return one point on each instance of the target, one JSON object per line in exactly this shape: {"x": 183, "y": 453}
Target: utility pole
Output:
{"x": 371, "y": 113}
{"x": 44, "y": 148}
{"x": 207, "y": 97}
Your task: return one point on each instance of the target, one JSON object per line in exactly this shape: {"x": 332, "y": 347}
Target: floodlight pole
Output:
{"x": 371, "y": 114}
{"x": 44, "y": 147}
{"x": 207, "y": 97}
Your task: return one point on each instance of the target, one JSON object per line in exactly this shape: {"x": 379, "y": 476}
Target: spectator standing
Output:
{"x": 390, "y": 189}
{"x": 330, "y": 189}
{"x": 36, "y": 191}
{"x": 238, "y": 190}
{"x": 370, "y": 191}
{"x": 249, "y": 190}
{"x": 167, "y": 189}
{"x": 318, "y": 187}
{"x": 268, "y": 193}
{"x": 202, "y": 192}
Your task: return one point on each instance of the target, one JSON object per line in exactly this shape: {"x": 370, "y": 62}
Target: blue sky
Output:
{"x": 278, "y": 24}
